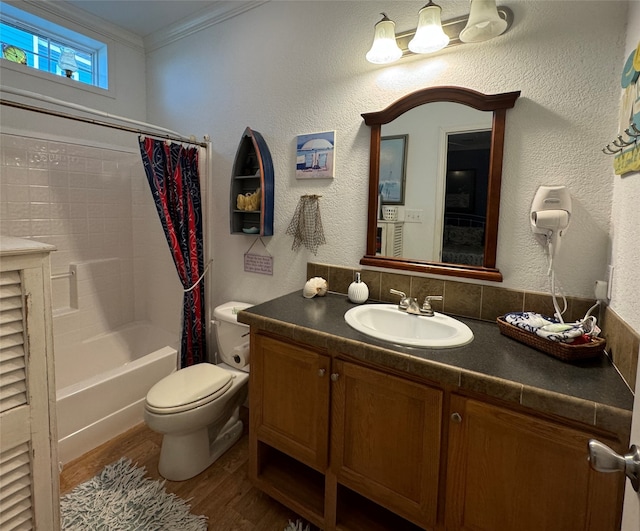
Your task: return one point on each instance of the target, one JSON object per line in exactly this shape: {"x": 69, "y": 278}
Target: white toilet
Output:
{"x": 197, "y": 408}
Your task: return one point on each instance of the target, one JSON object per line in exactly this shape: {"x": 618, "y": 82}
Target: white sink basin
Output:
{"x": 387, "y": 323}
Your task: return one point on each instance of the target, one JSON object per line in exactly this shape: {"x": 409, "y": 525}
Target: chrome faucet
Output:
{"x": 407, "y": 304}
{"x": 426, "y": 309}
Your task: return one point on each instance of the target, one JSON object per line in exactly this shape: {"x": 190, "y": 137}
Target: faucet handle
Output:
{"x": 426, "y": 305}
{"x": 404, "y": 302}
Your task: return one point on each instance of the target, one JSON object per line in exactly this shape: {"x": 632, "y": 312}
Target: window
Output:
{"x": 39, "y": 44}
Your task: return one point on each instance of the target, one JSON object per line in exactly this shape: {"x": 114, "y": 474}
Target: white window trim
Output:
{"x": 82, "y": 29}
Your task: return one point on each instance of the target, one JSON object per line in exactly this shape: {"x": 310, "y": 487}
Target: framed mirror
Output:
{"x": 440, "y": 215}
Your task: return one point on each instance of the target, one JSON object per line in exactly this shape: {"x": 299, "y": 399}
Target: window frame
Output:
{"x": 59, "y": 35}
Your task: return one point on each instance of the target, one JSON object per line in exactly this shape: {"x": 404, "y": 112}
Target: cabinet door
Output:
{"x": 290, "y": 399}
{"x": 29, "y": 481}
{"x": 386, "y": 440}
{"x": 507, "y": 470}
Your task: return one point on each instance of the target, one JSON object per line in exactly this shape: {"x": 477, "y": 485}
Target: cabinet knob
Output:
{"x": 604, "y": 459}
{"x": 321, "y": 372}
{"x": 456, "y": 417}
{"x": 334, "y": 377}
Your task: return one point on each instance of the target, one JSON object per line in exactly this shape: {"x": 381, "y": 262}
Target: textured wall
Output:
{"x": 289, "y": 68}
{"x": 625, "y": 216}
{"x": 625, "y": 220}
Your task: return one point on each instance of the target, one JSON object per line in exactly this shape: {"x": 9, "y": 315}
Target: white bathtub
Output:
{"x": 102, "y": 383}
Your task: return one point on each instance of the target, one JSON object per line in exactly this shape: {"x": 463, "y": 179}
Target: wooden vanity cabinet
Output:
{"x": 385, "y": 440}
{"x": 509, "y": 470}
{"x": 289, "y": 424}
{"x": 385, "y": 436}
{"x": 349, "y": 447}
{"x": 292, "y": 414}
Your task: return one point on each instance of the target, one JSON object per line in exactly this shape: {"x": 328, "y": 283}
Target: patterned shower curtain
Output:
{"x": 172, "y": 172}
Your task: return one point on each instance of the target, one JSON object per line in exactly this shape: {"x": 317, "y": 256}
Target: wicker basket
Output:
{"x": 563, "y": 351}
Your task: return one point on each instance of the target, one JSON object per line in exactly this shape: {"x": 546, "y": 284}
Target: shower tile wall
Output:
{"x": 94, "y": 205}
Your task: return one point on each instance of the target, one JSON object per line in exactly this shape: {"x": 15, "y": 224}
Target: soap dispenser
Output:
{"x": 358, "y": 291}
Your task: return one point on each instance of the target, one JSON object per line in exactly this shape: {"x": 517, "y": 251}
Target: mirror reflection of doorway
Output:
{"x": 465, "y": 209}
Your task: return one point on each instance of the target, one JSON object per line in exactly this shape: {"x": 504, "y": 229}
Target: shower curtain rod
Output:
{"x": 167, "y": 134}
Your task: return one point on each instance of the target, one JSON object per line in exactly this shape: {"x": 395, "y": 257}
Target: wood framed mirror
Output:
{"x": 445, "y": 191}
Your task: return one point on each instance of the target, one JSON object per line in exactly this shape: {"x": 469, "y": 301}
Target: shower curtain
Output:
{"x": 172, "y": 172}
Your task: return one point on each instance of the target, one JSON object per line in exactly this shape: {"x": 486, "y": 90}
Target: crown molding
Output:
{"x": 218, "y": 12}
{"x": 67, "y": 12}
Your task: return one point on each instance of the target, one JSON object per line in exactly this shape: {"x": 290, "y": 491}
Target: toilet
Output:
{"x": 197, "y": 408}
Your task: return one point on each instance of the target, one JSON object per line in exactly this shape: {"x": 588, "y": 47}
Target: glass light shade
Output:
{"x": 384, "y": 48}
{"x": 429, "y": 36}
{"x": 484, "y": 22}
{"x": 67, "y": 61}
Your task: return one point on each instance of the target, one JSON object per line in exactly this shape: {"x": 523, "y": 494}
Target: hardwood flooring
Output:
{"x": 223, "y": 492}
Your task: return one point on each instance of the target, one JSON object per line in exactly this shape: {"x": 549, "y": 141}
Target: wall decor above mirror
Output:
{"x": 447, "y": 222}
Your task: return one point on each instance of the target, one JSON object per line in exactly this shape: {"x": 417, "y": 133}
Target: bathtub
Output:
{"x": 102, "y": 383}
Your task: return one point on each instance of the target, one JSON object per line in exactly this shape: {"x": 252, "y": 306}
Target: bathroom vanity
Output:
{"x": 354, "y": 433}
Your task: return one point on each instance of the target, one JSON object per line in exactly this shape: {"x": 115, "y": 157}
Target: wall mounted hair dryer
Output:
{"x": 550, "y": 214}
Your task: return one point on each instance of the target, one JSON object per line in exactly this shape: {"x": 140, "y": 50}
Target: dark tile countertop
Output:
{"x": 589, "y": 391}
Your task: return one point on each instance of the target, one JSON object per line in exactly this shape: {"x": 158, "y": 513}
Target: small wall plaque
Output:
{"x": 258, "y": 263}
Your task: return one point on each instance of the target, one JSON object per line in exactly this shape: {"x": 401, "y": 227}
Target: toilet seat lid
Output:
{"x": 188, "y": 385}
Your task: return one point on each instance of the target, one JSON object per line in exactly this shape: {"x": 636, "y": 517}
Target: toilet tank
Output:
{"x": 232, "y": 337}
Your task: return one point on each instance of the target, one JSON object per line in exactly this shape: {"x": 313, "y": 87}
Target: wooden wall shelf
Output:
{"x": 252, "y": 170}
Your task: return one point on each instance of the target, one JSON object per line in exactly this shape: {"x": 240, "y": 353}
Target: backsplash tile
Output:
{"x": 487, "y": 303}
{"x": 462, "y": 299}
{"x": 498, "y": 301}
{"x": 622, "y": 345}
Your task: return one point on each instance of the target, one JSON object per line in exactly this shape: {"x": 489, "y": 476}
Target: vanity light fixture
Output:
{"x": 485, "y": 21}
{"x": 67, "y": 61}
{"x": 429, "y": 36}
{"x": 384, "y": 48}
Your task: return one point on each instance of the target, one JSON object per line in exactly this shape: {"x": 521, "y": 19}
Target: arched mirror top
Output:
{"x": 440, "y": 262}
{"x": 464, "y": 96}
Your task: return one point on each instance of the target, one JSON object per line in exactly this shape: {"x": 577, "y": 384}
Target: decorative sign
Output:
{"x": 626, "y": 148}
{"x": 627, "y": 161}
{"x": 258, "y": 263}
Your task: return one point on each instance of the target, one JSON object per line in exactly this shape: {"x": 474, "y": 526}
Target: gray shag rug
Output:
{"x": 120, "y": 498}
{"x": 297, "y": 526}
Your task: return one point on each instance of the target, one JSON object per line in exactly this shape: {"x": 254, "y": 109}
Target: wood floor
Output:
{"x": 222, "y": 492}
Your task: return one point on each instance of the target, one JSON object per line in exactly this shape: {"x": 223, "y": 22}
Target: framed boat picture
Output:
{"x": 315, "y": 155}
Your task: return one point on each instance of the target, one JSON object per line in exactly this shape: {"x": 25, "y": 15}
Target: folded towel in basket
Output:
{"x": 551, "y": 329}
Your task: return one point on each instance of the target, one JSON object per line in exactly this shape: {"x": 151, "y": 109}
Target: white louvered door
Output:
{"x": 29, "y": 480}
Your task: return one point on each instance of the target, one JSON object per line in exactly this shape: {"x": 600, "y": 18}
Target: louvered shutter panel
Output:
{"x": 15, "y": 463}
{"x": 16, "y": 510}
{"x": 398, "y": 234}
{"x": 13, "y": 377}
{"x": 29, "y": 498}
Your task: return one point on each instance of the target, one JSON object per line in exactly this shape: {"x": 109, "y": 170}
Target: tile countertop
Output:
{"x": 589, "y": 391}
